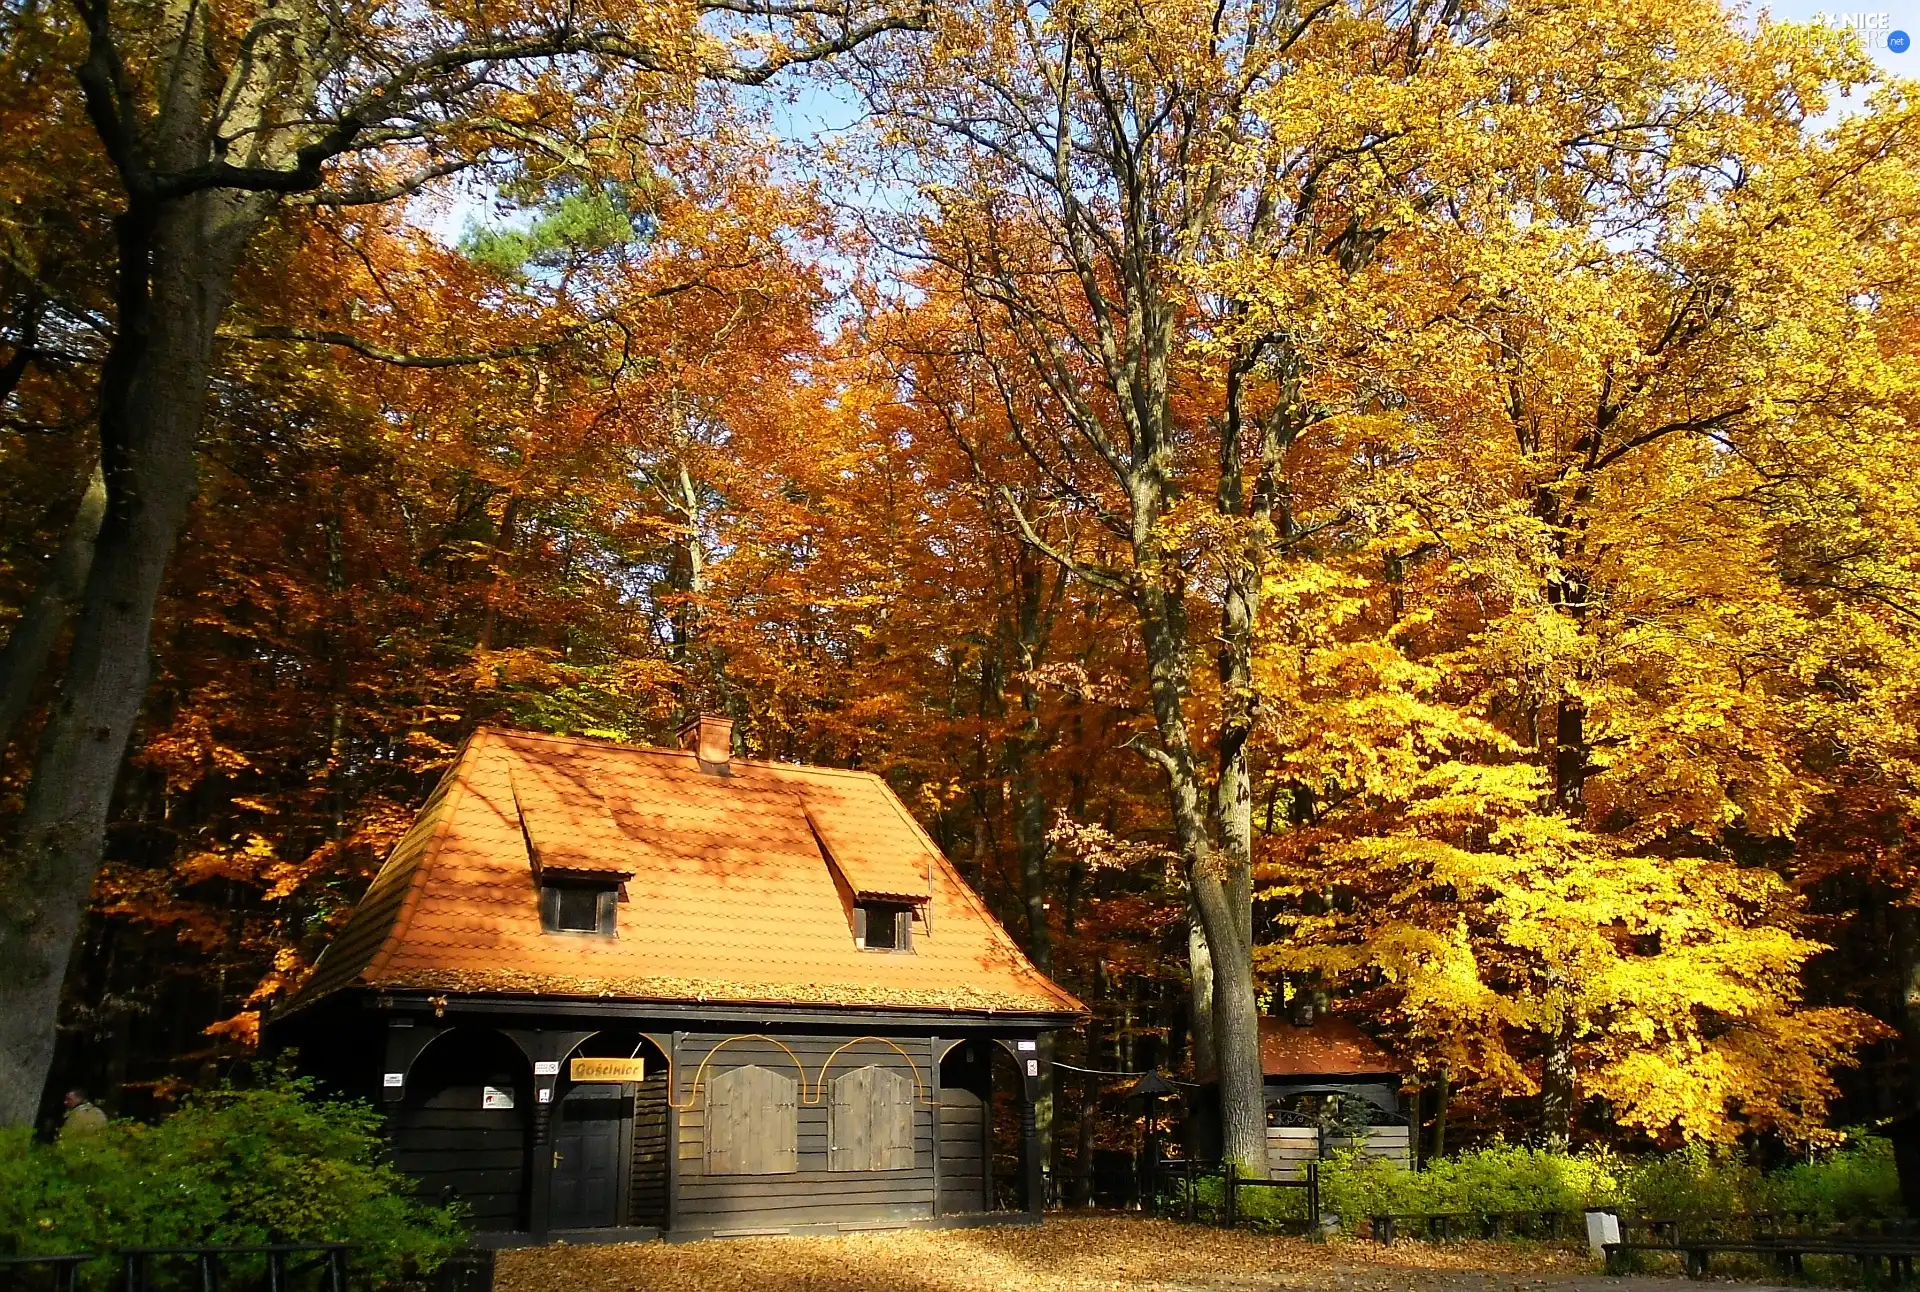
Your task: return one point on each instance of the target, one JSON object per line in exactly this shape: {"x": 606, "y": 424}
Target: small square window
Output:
{"x": 577, "y": 908}
{"x": 883, "y": 926}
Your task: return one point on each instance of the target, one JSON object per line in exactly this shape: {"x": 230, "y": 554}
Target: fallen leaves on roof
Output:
{"x": 508, "y": 982}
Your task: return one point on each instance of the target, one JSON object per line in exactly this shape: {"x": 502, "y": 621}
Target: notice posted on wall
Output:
{"x": 495, "y": 1097}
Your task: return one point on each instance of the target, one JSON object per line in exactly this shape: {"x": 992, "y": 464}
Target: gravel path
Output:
{"x": 1068, "y": 1254}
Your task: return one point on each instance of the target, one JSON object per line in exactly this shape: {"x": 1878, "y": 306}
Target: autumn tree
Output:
{"x": 1587, "y": 568}
{"x": 213, "y": 121}
{"x": 1166, "y": 209}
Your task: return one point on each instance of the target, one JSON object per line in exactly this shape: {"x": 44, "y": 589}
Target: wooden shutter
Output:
{"x": 894, "y": 1117}
{"x": 721, "y": 1124}
{"x": 781, "y": 1125}
{"x": 870, "y": 1121}
{"x": 752, "y": 1123}
{"x": 860, "y": 926}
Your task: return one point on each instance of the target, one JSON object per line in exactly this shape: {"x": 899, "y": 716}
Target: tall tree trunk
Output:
{"x": 1904, "y": 923}
{"x": 1212, "y": 884}
{"x": 1557, "y": 1085}
{"x": 1090, "y": 1096}
{"x": 1030, "y": 841}
{"x": 1558, "y": 1075}
{"x": 1442, "y": 1093}
{"x": 1206, "y": 1062}
{"x": 1084, "y": 1149}
{"x": 177, "y": 263}
{"x": 34, "y": 635}
{"x": 1570, "y": 757}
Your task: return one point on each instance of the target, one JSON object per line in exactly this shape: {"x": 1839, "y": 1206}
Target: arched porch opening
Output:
{"x": 462, "y": 1129}
{"x": 609, "y": 1135}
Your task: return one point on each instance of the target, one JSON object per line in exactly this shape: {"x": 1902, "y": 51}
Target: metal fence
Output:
{"x": 271, "y": 1267}
{"x": 1178, "y": 1183}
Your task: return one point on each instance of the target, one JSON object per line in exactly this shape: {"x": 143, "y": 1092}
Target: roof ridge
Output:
{"x": 628, "y": 747}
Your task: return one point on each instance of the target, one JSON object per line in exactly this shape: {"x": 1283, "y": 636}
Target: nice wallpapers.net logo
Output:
{"x": 1876, "y": 30}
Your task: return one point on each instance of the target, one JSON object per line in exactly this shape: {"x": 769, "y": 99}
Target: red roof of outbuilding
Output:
{"x": 1327, "y": 1047}
{"x": 737, "y": 888}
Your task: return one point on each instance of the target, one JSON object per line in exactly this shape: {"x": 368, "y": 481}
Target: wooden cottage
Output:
{"x": 608, "y": 992}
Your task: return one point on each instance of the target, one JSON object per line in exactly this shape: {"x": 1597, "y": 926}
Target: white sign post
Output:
{"x": 1603, "y": 1227}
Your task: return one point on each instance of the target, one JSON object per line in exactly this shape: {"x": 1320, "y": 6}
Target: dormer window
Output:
{"x": 882, "y": 926}
{"x": 574, "y": 907}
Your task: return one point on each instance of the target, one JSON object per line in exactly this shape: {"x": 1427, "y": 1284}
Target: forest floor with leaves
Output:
{"x": 1066, "y": 1254}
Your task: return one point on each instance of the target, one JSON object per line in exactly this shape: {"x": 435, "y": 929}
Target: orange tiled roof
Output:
{"x": 1326, "y": 1047}
{"x": 729, "y": 898}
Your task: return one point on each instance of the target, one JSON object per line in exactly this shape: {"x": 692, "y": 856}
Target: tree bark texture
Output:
{"x": 176, "y": 270}
{"x": 1903, "y": 931}
{"x": 30, "y": 645}
{"x": 1200, "y": 997}
{"x": 1215, "y": 878}
{"x": 1557, "y": 1085}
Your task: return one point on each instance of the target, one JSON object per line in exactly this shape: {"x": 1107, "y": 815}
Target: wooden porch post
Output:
{"x": 673, "y": 1132}
{"x": 1032, "y": 1168}
{"x": 933, "y": 1085}
{"x": 547, "y": 1051}
{"x": 987, "y": 1199}
{"x": 545, "y": 1079}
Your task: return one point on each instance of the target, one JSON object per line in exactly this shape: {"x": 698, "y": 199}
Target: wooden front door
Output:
{"x": 590, "y": 1132}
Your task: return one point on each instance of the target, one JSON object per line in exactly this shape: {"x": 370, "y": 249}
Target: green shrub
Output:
{"x": 1256, "y": 1205}
{"x": 233, "y": 1166}
{"x": 1500, "y": 1177}
{"x": 1692, "y": 1183}
{"x": 1695, "y": 1182}
{"x": 1856, "y": 1182}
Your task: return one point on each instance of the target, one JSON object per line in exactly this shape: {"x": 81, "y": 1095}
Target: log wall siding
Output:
{"x": 813, "y": 1193}
{"x": 1388, "y": 1141}
{"x": 963, "y": 1189}
{"x": 647, "y": 1188}
{"x": 451, "y": 1146}
{"x": 1289, "y": 1149}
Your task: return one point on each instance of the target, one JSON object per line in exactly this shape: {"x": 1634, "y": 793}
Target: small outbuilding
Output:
{"x": 609, "y": 992}
{"x": 1329, "y": 1086}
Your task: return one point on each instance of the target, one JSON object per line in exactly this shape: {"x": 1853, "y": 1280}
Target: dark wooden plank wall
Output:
{"x": 647, "y": 1195}
{"x": 813, "y": 1194}
{"x": 962, "y": 1152}
{"x": 450, "y": 1145}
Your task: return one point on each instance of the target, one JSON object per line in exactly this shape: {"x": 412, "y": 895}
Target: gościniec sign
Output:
{"x": 608, "y": 1070}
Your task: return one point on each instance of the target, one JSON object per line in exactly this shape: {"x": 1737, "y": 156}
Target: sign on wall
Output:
{"x": 495, "y": 1097}
{"x": 608, "y": 1070}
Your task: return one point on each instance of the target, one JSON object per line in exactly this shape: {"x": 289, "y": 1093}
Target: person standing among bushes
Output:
{"x": 83, "y": 1119}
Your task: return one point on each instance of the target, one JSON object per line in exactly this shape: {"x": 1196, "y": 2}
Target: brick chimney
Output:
{"x": 711, "y": 740}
